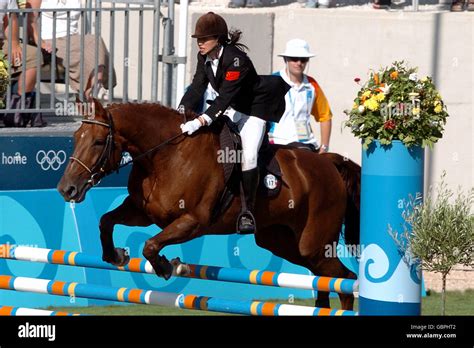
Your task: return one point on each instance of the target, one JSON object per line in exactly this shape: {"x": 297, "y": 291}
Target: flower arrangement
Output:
{"x": 4, "y": 79}
{"x": 394, "y": 104}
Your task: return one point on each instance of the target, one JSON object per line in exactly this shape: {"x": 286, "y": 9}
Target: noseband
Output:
{"x": 97, "y": 172}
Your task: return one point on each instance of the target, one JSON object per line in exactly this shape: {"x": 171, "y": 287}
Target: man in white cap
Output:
{"x": 303, "y": 100}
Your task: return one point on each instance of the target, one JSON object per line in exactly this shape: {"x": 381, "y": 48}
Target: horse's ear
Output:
{"x": 81, "y": 110}
{"x": 98, "y": 110}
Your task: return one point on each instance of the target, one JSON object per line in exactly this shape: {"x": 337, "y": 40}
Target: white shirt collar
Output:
{"x": 213, "y": 61}
{"x": 286, "y": 78}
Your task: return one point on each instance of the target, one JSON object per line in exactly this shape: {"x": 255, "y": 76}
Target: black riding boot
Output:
{"x": 13, "y": 119}
{"x": 246, "y": 222}
{"x": 35, "y": 118}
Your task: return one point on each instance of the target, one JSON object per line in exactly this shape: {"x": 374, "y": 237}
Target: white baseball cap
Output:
{"x": 297, "y": 48}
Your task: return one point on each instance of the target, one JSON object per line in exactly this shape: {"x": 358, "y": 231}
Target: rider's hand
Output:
{"x": 191, "y": 126}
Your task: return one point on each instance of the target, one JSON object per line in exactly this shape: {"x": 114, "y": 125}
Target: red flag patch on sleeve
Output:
{"x": 232, "y": 75}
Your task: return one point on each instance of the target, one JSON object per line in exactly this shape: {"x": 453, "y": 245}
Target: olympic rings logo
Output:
{"x": 51, "y": 159}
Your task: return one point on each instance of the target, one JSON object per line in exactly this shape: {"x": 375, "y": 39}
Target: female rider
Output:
{"x": 248, "y": 99}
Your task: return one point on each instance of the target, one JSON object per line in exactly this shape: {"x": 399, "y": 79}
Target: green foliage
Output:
{"x": 442, "y": 229}
{"x": 4, "y": 79}
{"x": 395, "y": 105}
{"x": 440, "y": 233}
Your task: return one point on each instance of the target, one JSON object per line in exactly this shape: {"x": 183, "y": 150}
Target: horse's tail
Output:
{"x": 350, "y": 173}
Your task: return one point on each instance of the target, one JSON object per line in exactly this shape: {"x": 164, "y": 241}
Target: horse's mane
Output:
{"x": 190, "y": 115}
{"x": 214, "y": 128}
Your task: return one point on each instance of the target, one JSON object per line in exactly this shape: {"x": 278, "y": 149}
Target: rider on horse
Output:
{"x": 247, "y": 99}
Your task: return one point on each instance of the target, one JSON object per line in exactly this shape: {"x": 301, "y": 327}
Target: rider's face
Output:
{"x": 207, "y": 44}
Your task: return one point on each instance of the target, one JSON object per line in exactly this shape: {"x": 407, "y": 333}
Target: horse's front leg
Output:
{"x": 126, "y": 214}
{"x": 181, "y": 230}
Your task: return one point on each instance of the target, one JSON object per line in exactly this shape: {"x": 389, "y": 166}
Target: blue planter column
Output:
{"x": 388, "y": 284}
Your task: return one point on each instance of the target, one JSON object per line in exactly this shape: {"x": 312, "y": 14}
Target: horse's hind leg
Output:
{"x": 347, "y": 301}
{"x": 332, "y": 267}
{"x": 179, "y": 231}
{"x": 317, "y": 243}
{"x": 322, "y": 299}
{"x": 281, "y": 241}
{"x": 125, "y": 214}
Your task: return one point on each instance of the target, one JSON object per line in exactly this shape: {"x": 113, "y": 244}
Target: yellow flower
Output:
{"x": 415, "y": 111}
{"x": 424, "y": 79}
{"x": 366, "y": 94}
{"x": 371, "y": 104}
{"x": 1, "y": 64}
{"x": 380, "y": 97}
{"x": 438, "y": 108}
{"x": 436, "y": 102}
{"x": 355, "y": 106}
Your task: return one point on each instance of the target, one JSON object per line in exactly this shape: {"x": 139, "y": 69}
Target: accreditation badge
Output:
{"x": 303, "y": 131}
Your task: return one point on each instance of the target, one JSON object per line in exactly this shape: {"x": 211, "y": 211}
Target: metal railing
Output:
{"x": 128, "y": 23}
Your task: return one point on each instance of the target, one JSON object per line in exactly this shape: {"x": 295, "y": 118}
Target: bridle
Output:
{"x": 98, "y": 172}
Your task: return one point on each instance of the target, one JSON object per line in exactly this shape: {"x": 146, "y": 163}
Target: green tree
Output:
{"x": 440, "y": 231}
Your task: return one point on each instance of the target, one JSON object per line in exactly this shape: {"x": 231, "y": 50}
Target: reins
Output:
{"x": 166, "y": 142}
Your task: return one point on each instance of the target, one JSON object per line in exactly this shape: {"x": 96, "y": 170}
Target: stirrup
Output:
{"x": 246, "y": 223}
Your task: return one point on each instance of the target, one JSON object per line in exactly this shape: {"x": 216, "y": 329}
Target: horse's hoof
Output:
{"x": 165, "y": 268}
{"x": 180, "y": 268}
{"x": 121, "y": 257}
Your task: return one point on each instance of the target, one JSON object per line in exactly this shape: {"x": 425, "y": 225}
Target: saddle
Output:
{"x": 269, "y": 168}
{"x": 270, "y": 172}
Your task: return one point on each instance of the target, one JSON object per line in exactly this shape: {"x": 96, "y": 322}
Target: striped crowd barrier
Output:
{"x": 80, "y": 290}
{"x": 235, "y": 275}
{"x": 22, "y": 311}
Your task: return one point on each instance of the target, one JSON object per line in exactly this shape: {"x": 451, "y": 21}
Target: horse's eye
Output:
{"x": 99, "y": 142}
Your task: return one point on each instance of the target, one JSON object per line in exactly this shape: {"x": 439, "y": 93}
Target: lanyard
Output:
{"x": 309, "y": 95}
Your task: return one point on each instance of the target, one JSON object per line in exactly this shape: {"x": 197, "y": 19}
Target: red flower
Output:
{"x": 357, "y": 80}
{"x": 389, "y": 124}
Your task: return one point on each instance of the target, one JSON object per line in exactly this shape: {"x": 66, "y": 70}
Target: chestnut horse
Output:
{"x": 176, "y": 181}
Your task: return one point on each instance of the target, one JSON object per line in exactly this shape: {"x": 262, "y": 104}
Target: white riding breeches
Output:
{"x": 252, "y": 131}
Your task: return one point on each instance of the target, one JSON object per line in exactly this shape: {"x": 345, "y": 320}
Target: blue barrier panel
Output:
{"x": 41, "y": 218}
{"x": 39, "y": 162}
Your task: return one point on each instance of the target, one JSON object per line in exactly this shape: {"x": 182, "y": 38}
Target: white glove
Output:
{"x": 191, "y": 126}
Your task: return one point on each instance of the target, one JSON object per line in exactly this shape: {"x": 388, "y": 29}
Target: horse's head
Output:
{"x": 96, "y": 153}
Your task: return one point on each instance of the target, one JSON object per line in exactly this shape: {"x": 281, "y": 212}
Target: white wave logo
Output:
{"x": 377, "y": 283}
{"x": 51, "y": 159}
